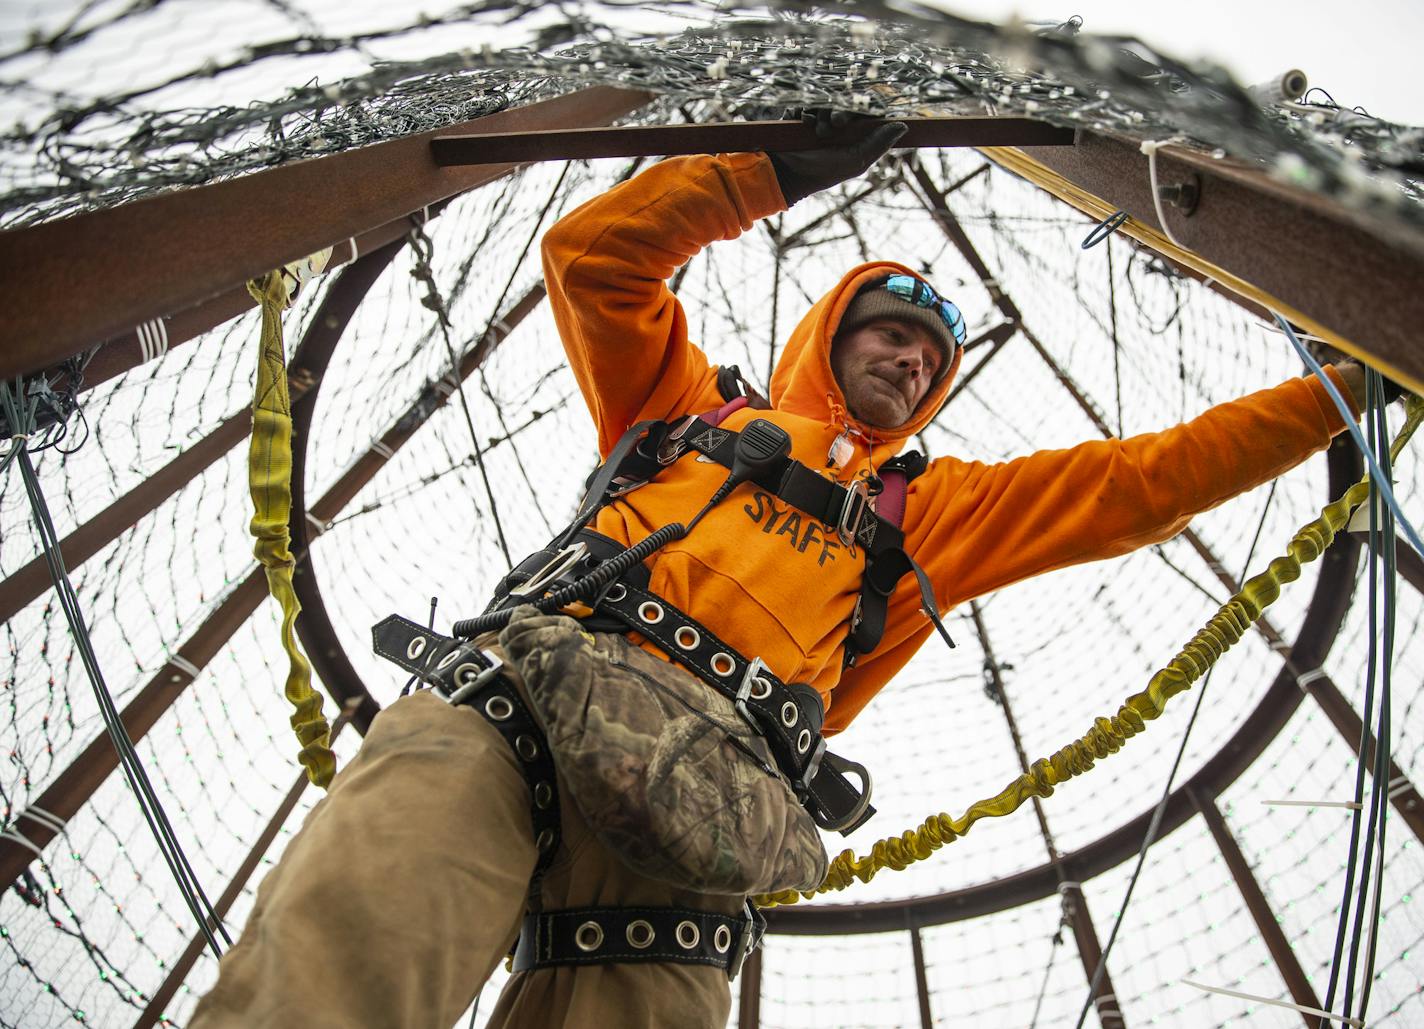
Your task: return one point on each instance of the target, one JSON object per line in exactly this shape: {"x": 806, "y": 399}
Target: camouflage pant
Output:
{"x": 405, "y": 888}
{"x": 664, "y": 770}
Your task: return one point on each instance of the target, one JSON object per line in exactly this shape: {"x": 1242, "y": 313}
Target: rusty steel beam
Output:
{"x": 1322, "y": 622}
{"x": 1353, "y": 272}
{"x": 330, "y": 320}
{"x": 83, "y": 280}
{"x": 72, "y": 787}
{"x": 122, "y": 353}
{"x": 178, "y": 970}
{"x": 1259, "y": 907}
{"x": 922, "y": 979}
{"x": 453, "y": 149}
{"x": 749, "y": 1001}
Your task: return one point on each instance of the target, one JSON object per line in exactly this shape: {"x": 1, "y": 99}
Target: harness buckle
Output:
{"x": 467, "y": 685}
{"x": 673, "y": 447}
{"x": 803, "y": 784}
{"x": 744, "y": 691}
{"x": 558, "y": 565}
{"x": 853, "y": 511}
{"x": 753, "y": 926}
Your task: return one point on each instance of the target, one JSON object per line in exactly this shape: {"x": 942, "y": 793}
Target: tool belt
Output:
{"x": 788, "y": 717}
{"x": 760, "y": 838}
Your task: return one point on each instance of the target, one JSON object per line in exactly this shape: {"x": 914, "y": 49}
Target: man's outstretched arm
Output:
{"x": 606, "y": 264}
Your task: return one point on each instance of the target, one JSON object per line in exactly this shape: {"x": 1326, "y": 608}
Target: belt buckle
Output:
{"x": 744, "y": 691}
{"x": 803, "y": 784}
{"x": 852, "y": 511}
{"x": 471, "y": 684}
{"x": 673, "y": 447}
{"x": 558, "y": 565}
{"x": 752, "y": 928}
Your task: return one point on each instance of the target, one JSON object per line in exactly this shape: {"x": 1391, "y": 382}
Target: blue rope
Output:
{"x": 1379, "y": 477}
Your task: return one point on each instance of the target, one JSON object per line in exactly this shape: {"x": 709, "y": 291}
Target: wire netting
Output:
{"x": 93, "y": 929}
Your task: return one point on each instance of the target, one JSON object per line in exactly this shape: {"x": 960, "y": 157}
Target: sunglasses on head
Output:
{"x": 919, "y": 293}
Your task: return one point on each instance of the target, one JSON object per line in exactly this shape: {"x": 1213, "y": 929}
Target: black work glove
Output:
{"x": 858, "y": 142}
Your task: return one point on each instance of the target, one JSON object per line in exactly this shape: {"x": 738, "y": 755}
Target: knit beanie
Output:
{"x": 875, "y": 301}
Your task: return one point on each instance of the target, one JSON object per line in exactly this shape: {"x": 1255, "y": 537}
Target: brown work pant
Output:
{"x": 407, "y": 884}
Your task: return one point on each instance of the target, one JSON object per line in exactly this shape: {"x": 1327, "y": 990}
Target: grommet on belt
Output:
{"x": 589, "y": 937}
{"x": 584, "y": 936}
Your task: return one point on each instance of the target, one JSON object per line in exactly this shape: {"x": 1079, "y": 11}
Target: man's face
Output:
{"x": 885, "y": 367}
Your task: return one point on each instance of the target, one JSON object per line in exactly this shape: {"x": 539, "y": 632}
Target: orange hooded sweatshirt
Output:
{"x": 776, "y": 583}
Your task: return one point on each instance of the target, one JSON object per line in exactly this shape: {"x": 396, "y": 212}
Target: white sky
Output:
{"x": 1365, "y": 53}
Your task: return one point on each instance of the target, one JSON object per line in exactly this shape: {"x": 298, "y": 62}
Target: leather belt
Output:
{"x": 789, "y": 719}
{"x": 461, "y": 673}
{"x": 595, "y": 935}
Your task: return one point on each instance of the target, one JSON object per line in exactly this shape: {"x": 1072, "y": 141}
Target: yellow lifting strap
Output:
{"x": 269, "y": 471}
{"x": 1107, "y": 735}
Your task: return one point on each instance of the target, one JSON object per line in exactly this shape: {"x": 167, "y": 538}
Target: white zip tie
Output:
{"x": 1282, "y": 647}
{"x": 1349, "y": 804}
{"x": 22, "y": 840}
{"x": 1274, "y": 1003}
{"x": 1400, "y": 790}
{"x": 38, "y": 814}
{"x": 152, "y": 339}
{"x": 318, "y": 526}
{"x": 377, "y": 446}
{"x": 1304, "y": 679}
{"x": 181, "y": 663}
{"x": 354, "y": 252}
{"x": 1067, "y": 885}
{"x": 1150, "y": 148}
{"x": 444, "y": 388}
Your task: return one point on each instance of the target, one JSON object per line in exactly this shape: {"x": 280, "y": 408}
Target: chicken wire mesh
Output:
{"x": 93, "y": 929}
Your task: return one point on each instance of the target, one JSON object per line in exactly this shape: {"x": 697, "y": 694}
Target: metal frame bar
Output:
{"x": 330, "y": 321}
{"x": 1259, "y": 907}
{"x": 1349, "y": 270}
{"x": 452, "y": 149}
{"x": 749, "y": 1000}
{"x": 119, "y": 355}
{"x": 317, "y": 632}
{"x": 922, "y": 981}
{"x": 84, "y": 280}
{"x": 1085, "y": 933}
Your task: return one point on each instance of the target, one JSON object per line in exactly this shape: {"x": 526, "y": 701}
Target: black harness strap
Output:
{"x": 461, "y": 673}
{"x": 848, "y": 510}
{"x": 788, "y": 719}
{"x": 633, "y": 935}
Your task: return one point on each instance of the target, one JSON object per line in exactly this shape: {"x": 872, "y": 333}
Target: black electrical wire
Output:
{"x": 19, "y": 416}
{"x": 1372, "y": 872}
{"x": 1382, "y": 748}
{"x": 1357, "y": 812}
{"x": 585, "y": 589}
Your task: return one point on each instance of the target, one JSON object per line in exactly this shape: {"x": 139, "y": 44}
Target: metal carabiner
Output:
{"x": 560, "y": 563}
{"x": 852, "y": 512}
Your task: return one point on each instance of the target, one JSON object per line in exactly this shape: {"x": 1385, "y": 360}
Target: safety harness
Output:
{"x": 611, "y": 582}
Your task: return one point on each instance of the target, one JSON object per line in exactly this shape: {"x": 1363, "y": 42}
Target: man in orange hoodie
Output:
{"x": 436, "y": 824}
